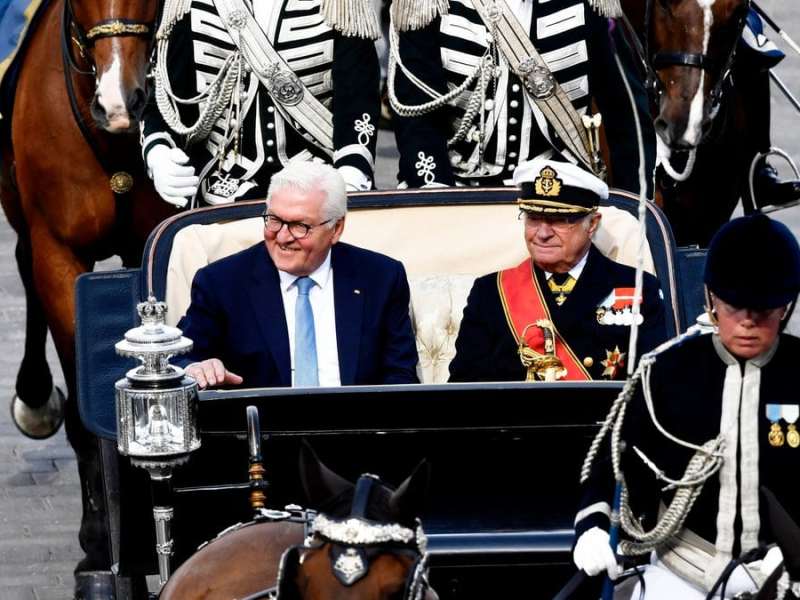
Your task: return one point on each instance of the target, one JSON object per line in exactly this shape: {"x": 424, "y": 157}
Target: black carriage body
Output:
{"x": 506, "y": 456}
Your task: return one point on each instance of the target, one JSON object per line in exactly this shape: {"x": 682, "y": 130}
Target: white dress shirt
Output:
{"x": 322, "y": 305}
{"x": 574, "y": 271}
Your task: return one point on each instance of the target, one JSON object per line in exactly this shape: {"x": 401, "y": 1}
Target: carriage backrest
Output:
{"x": 445, "y": 240}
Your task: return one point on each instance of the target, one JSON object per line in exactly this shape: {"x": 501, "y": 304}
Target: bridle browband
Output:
{"x": 652, "y": 63}
{"x": 350, "y": 541}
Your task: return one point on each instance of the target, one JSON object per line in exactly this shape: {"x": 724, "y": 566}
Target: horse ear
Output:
{"x": 319, "y": 482}
{"x": 786, "y": 533}
{"x": 407, "y": 501}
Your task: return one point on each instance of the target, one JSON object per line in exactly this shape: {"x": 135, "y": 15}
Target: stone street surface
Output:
{"x": 39, "y": 492}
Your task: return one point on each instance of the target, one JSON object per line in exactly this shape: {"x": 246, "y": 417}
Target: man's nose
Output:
{"x": 283, "y": 236}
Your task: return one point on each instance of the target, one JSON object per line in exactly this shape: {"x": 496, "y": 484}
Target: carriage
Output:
{"x": 505, "y": 457}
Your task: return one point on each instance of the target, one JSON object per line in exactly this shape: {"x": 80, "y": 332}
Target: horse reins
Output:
{"x": 120, "y": 180}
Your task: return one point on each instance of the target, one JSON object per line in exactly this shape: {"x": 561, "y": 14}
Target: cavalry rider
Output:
{"x": 481, "y": 86}
{"x": 240, "y": 92}
{"x": 728, "y": 402}
{"x": 567, "y": 300}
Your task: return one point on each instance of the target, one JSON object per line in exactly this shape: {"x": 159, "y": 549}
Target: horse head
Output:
{"x": 114, "y": 39}
{"x": 366, "y": 543}
{"x": 689, "y": 46}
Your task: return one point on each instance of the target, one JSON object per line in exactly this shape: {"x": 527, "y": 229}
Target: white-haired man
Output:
{"x": 301, "y": 309}
{"x": 566, "y": 300}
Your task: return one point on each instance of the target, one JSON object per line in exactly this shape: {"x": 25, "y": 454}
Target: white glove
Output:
{"x": 593, "y": 554}
{"x": 174, "y": 179}
{"x": 771, "y": 560}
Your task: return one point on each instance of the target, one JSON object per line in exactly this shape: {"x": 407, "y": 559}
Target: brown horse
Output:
{"x": 74, "y": 189}
{"x": 366, "y": 544}
{"x": 705, "y": 125}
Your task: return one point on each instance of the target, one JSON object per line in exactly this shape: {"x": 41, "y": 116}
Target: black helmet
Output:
{"x": 754, "y": 262}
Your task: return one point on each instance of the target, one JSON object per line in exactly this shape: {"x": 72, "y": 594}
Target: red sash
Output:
{"x": 524, "y": 304}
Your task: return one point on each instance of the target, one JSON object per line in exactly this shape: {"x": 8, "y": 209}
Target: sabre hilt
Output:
{"x": 592, "y": 126}
{"x": 256, "y": 471}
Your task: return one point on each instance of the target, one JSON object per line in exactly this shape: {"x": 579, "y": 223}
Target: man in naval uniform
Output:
{"x": 566, "y": 300}
{"x": 480, "y": 86}
{"x": 243, "y": 88}
{"x": 731, "y": 389}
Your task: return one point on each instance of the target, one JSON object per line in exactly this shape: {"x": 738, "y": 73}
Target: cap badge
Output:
{"x": 547, "y": 183}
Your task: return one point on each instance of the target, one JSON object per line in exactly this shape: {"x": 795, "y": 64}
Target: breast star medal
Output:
{"x": 613, "y": 362}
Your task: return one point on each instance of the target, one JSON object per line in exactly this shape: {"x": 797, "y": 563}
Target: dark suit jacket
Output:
{"x": 486, "y": 350}
{"x": 237, "y": 315}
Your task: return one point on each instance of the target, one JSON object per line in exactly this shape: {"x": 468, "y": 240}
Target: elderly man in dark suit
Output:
{"x": 301, "y": 309}
{"x": 567, "y": 301}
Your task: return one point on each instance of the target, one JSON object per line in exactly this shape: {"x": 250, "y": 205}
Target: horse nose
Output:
{"x": 136, "y": 103}
{"x": 97, "y": 111}
{"x": 663, "y": 130}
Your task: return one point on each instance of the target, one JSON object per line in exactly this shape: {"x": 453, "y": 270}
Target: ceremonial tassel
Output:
{"x": 607, "y": 8}
{"x": 352, "y": 18}
{"x": 409, "y": 15}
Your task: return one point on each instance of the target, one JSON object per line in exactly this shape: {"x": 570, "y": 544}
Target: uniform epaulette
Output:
{"x": 352, "y": 18}
{"x": 409, "y": 15}
{"x": 607, "y": 8}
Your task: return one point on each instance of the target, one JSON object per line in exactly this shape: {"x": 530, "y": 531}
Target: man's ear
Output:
{"x": 337, "y": 230}
{"x": 595, "y": 221}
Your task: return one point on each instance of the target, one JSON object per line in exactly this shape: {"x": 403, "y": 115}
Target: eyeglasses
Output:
{"x": 559, "y": 224}
{"x": 297, "y": 229}
{"x": 739, "y": 313}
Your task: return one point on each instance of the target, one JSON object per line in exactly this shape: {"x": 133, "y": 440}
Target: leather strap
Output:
{"x": 523, "y": 304}
{"x": 292, "y": 98}
{"x": 524, "y": 60}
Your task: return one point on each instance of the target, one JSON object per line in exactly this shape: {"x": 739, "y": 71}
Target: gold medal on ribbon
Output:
{"x": 792, "y": 436}
{"x": 775, "y": 437}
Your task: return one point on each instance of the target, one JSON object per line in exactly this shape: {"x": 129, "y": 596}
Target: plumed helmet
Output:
{"x": 754, "y": 262}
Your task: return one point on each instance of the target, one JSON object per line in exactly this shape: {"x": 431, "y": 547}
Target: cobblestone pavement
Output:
{"x": 39, "y": 493}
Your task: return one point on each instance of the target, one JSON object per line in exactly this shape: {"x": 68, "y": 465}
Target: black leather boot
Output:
{"x": 95, "y": 585}
{"x": 771, "y": 191}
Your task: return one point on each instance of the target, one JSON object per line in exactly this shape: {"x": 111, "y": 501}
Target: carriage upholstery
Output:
{"x": 443, "y": 249}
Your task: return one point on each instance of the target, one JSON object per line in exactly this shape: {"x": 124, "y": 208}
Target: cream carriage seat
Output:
{"x": 443, "y": 248}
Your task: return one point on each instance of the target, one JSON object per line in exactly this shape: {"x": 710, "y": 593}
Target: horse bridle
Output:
{"x": 652, "y": 63}
{"x": 351, "y": 541}
{"x": 72, "y": 31}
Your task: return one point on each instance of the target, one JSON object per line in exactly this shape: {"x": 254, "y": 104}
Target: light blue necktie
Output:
{"x": 305, "y": 340}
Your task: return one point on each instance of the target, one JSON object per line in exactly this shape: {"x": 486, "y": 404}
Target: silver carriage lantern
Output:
{"x": 156, "y": 402}
{"x": 157, "y": 414}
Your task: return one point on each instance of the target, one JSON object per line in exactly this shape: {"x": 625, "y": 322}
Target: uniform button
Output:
{"x": 512, "y": 121}
{"x": 512, "y": 155}
{"x": 270, "y": 143}
{"x": 270, "y": 159}
{"x": 512, "y": 167}
{"x": 270, "y": 109}
{"x": 515, "y": 87}
{"x": 588, "y": 362}
{"x": 514, "y": 104}
{"x": 270, "y": 125}
{"x": 489, "y": 105}
{"x": 512, "y": 138}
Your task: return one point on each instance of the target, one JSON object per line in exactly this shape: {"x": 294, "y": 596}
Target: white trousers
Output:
{"x": 663, "y": 584}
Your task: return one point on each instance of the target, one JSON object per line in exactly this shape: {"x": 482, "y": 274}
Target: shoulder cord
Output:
{"x": 706, "y": 461}
{"x": 217, "y": 97}
{"x": 482, "y": 74}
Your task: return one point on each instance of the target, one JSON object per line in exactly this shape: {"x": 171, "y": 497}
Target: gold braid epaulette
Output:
{"x": 352, "y": 18}
{"x": 607, "y": 8}
{"x": 409, "y": 15}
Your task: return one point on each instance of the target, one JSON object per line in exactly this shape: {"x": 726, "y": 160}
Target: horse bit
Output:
{"x": 351, "y": 539}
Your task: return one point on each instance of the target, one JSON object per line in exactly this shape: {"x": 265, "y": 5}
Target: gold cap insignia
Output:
{"x": 547, "y": 183}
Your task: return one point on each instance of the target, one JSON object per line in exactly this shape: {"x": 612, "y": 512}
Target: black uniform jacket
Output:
{"x": 486, "y": 349}
{"x": 579, "y": 47}
{"x": 686, "y": 384}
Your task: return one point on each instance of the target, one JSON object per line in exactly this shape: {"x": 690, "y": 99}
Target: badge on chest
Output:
{"x": 617, "y": 308}
{"x": 783, "y": 412}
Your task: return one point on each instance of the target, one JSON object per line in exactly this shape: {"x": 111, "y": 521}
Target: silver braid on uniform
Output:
{"x": 477, "y": 97}
{"x": 217, "y": 97}
{"x": 706, "y": 461}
